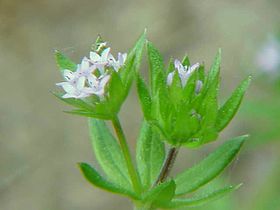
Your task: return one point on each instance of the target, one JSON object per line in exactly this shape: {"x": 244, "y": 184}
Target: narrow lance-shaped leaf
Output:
{"x": 85, "y": 108}
{"x": 171, "y": 66}
{"x": 228, "y": 110}
{"x": 209, "y": 168}
{"x": 186, "y": 61}
{"x": 63, "y": 62}
{"x": 133, "y": 62}
{"x": 150, "y": 154}
{"x": 214, "y": 70}
{"x": 115, "y": 92}
{"x": 199, "y": 200}
{"x": 86, "y": 113}
{"x": 81, "y": 104}
{"x": 156, "y": 65}
{"x": 175, "y": 89}
{"x": 97, "y": 180}
{"x": 108, "y": 153}
{"x": 144, "y": 97}
{"x": 162, "y": 193}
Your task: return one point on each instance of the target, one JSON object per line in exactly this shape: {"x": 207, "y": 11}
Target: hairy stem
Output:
{"x": 167, "y": 166}
{"x": 125, "y": 149}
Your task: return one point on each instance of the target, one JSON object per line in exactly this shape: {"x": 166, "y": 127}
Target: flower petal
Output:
{"x": 94, "y": 57}
{"x": 193, "y": 67}
{"x": 81, "y": 83}
{"x": 104, "y": 81}
{"x": 84, "y": 63}
{"x": 68, "y": 75}
{"x": 67, "y": 95}
{"x": 68, "y": 88}
{"x": 170, "y": 78}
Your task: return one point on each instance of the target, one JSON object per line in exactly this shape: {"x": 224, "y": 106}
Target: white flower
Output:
{"x": 74, "y": 87}
{"x": 117, "y": 64}
{"x": 107, "y": 59}
{"x": 268, "y": 58}
{"x": 100, "y": 61}
{"x": 84, "y": 82}
{"x": 85, "y": 68}
{"x": 184, "y": 72}
{"x": 97, "y": 85}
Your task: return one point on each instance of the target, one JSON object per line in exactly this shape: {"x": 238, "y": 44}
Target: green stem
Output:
{"x": 125, "y": 149}
{"x": 167, "y": 165}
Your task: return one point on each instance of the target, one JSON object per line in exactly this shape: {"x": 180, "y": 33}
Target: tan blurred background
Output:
{"x": 40, "y": 145}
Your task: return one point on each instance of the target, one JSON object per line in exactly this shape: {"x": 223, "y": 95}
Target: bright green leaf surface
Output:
{"x": 162, "y": 193}
{"x": 150, "y": 154}
{"x": 156, "y": 65}
{"x": 214, "y": 70}
{"x": 63, "y": 62}
{"x": 144, "y": 97}
{"x": 228, "y": 110}
{"x": 116, "y": 93}
{"x": 200, "y": 200}
{"x": 108, "y": 153}
{"x": 133, "y": 62}
{"x": 97, "y": 180}
{"x": 75, "y": 102}
{"x": 88, "y": 114}
{"x": 186, "y": 61}
{"x": 209, "y": 168}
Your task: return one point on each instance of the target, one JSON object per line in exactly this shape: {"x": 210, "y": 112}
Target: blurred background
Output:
{"x": 40, "y": 145}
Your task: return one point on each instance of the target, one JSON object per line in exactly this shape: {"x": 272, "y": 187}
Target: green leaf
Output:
{"x": 79, "y": 103}
{"x": 162, "y": 193}
{"x": 138, "y": 50}
{"x": 175, "y": 89}
{"x": 171, "y": 66}
{"x": 97, "y": 180}
{"x": 85, "y": 108}
{"x": 132, "y": 64}
{"x": 165, "y": 104}
{"x": 186, "y": 124}
{"x": 85, "y": 113}
{"x": 201, "y": 73}
{"x": 228, "y": 110}
{"x": 108, "y": 153}
{"x": 150, "y": 154}
{"x": 144, "y": 97}
{"x": 116, "y": 93}
{"x": 209, "y": 168}
{"x": 156, "y": 65}
{"x": 63, "y": 62}
{"x": 199, "y": 200}
{"x": 186, "y": 61}
{"x": 215, "y": 69}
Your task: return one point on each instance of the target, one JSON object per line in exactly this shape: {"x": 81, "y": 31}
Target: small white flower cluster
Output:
{"x": 268, "y": 58}
{"x": 184, "y": 73}
{"x": 83, "y": 82}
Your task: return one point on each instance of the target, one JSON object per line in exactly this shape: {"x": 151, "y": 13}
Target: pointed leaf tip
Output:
{"x": 64, "y": 62}
{"x": 231, "y": 106}
{"x": 200, "y": 199}
{"x": 99, "y": 181}
{"x": 209, "y": 168}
